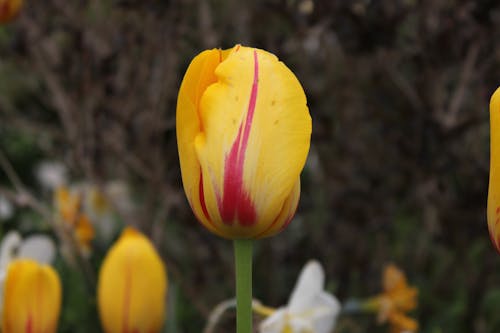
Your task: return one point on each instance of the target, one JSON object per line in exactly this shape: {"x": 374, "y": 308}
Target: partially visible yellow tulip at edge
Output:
{"x": 132, "y": 286}
{"x": 32, "y": 298}
{"x": 9, "y": 9}
{"x": 243, "y": 134}
{"x": 493, "y": 213}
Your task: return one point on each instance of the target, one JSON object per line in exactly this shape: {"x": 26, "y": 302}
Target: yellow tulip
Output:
{"x": 493, "y": 214}
{"x": 9, "y": 9}
{"x": 243, "y": 133}
{"x": 132, "y": 286}
{"x": 32, "y": 298}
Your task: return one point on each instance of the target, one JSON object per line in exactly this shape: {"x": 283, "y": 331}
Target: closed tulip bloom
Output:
{"x": 9, "y": 9}
{"x": 32, "y": 298}
{"x": 243, "y": 133}
{"x": 132, "y": 286}
{"x": 493, "y": 213}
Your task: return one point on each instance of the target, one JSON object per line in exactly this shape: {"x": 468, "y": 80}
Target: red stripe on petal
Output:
{"x": 29, "y": 324}
{"x": 202, "y": 198}
{"x": 236, "y": 204}
{"x": 126, "y": 298}
{"x": 285, "y": 224}
{"x": 495, "y": 242}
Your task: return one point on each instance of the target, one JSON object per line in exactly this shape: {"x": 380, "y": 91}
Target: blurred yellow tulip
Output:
{"x": 9, "y": 9}
{"x": 132, "y": 286}
{"x": 32, "y": 298}
{"x": 493, "y": 213}
{"x": 243, "y": 133}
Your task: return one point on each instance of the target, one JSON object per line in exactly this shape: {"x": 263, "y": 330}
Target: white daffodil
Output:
{"x": 40, "y": 248}
{"x": 310, "y": 309}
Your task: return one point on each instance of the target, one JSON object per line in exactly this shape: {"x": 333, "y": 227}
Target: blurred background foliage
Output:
{"x": 398, "y": 169}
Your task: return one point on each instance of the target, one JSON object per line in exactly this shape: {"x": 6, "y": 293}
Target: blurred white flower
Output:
{"x": 51, "y": 174}
{"x": 6, "y": 208}
{"x": 40, "y": 248}
{"x": 98, "y": 207}
{"x": 310, "y": 309}
{"x": 119, "y": 194}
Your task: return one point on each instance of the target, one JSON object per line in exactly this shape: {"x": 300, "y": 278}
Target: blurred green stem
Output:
{"x": 243, "y": 264}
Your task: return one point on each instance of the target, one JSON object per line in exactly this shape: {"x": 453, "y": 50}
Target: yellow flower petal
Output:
{"x": 401, "y": 323}
{"x": 32, "y": 299}
{"x": 85, "y": 233}
{"x": 394, "y": 278}
{"x": 493, "y": 212}
{"x": 67, "y": 204}
{"x": 198, "y": 77}
{"x": 132, "y": 286}
{"x": 286, "y": 214}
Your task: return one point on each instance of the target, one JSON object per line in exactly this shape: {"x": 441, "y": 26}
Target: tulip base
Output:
{"x": 243, "y": 265}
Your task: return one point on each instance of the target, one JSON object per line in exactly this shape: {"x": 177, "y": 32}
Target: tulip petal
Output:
{"x": 308, "y": 287}
{"x": 32, "y": 298}
{"x": 198, "y": 77}
{"x": 132, "y": 286}
{"x": 39, "y": 248}
{"x": 255, "y": 141}
{"x": 286, "y": 214}
{"x": 493, "y": 213}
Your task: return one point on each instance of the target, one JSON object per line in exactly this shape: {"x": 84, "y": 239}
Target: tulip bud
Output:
{"x": 32, "y": 298}
{"x": 493, "y": 213}
{"x": 132, "y": 286}
{"x": 9, "y": 9}
{"x": 243, "y": 133}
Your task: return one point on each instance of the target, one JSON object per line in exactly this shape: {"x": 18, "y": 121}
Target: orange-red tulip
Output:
{"x": 493, "y": 213}
{"x": 243, "y": 133}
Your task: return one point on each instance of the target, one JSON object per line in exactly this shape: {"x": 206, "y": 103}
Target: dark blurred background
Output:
{"x": 398, "y": 168}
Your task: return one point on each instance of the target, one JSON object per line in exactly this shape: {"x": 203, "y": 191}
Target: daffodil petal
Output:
{"x": 309, "y": 285}
{"x": 274, "y": 323}
{"x": 10, "y": 244}
{"x": 40, "y": 248}
{"x": 325, "y": 311}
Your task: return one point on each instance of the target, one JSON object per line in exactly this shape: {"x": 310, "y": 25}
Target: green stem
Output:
{"x": 243, "y": 263}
